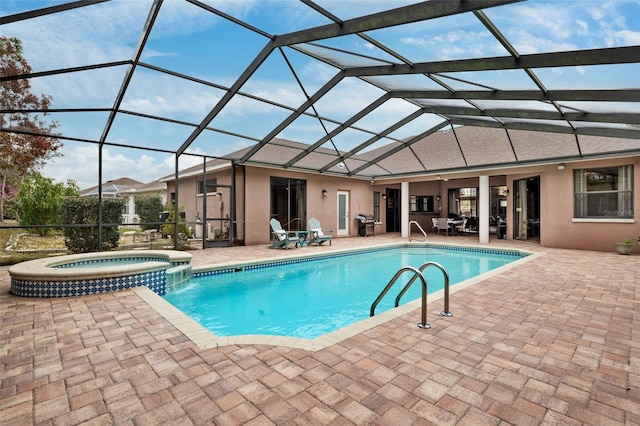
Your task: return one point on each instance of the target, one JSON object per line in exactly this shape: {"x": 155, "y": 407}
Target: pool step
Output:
{"x": 178, "y": 275}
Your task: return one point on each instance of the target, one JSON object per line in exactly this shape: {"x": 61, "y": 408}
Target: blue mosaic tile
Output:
{"x": 356, "y": 252}
{"x": 155, "y": 280}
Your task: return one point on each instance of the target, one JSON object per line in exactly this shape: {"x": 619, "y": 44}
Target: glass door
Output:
{"x": 526, "y": 215}
{"x": 289, "y": 202}
{"x": 343, "y": 213}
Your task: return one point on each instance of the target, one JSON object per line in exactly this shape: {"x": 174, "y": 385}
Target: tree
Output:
{"x": 26, "y": 144}
{"x": 39, "y": 201}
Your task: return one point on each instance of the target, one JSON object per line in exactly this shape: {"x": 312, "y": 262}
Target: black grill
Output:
{"x": 366, "y": 225}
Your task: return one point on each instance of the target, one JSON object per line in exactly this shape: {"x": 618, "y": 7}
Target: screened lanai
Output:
{"x": 356, "y": 84}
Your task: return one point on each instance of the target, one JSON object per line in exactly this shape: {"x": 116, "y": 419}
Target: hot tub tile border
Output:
{"x": 155, "y": 280}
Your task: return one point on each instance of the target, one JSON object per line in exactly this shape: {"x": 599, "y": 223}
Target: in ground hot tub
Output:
{"x": 91, "y": 273}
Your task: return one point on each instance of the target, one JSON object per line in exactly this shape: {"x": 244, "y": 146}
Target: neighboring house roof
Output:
{"x": 111, "y": 188}
{"x": 149, "y": 187}
{"x": 125, "y": 185}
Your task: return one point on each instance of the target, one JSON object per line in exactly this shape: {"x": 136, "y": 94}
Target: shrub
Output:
{"x": 169, "y": 227}
{"x": 39, "y": 201}
{"x": 148, "y": 208}
{"x": 84, "y": 211}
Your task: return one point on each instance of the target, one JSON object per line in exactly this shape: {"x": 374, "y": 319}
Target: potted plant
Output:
{"x": 625, "y": 246}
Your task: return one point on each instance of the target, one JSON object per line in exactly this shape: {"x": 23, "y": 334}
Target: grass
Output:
{"x": 37, "y": 246}
{"x": 32, "y": 246}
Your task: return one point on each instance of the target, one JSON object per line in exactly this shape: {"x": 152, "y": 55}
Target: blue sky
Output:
{"x": 192, "y": 41}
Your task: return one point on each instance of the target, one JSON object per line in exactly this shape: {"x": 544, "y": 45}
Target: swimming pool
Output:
{"x": 309, "y": 298}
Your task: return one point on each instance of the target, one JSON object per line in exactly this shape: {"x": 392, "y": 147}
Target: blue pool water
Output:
{"x": 312, "y": 298}
{"x": 105, "y": 262}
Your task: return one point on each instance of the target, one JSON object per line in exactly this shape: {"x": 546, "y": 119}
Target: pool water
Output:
{"x": 107, "y": 262}
{"x": 312, "y": 298}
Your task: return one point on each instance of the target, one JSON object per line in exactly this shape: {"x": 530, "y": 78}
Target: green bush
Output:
{"x": 148, "y": 208}
{"x": 170, "y": 224}
{"x": 39, "y": 201}
{"x": 84, "y": 211}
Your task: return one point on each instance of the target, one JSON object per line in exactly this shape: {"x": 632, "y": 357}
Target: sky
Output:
{"x": 190, "y": 40}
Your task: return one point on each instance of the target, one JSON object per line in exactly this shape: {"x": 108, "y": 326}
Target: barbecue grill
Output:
{"x": 365, "y": 225}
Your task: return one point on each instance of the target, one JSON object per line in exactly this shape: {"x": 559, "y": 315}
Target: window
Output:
{"x": 211, "y": 186}
{"x": 376, "y": 206}
{"x": 422, "y": 204}
{"x": 468, "y": 206}
{"x": 604, "y": 193}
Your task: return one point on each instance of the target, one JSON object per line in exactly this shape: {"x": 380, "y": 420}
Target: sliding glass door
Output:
{"x": 526, "y": 215}
{"x": 289, "y": 202}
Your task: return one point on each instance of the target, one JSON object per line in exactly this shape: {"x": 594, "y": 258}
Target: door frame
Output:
{"x": 526, "y": 208}
{"x": 342, "y": 213}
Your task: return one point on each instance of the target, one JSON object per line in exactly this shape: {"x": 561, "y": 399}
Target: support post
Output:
{"x": 484, "y": 213}
{"x": 404, "y": 210}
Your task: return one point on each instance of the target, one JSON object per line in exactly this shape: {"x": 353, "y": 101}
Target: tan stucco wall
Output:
{"x": 441, "y": 188}
{"x": 218, "y": 206}
{"x": 323, "y": 208}
{"x": 557, "y": 226}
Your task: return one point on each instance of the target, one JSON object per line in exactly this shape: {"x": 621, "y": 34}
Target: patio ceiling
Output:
{"x": 362, "y": 99}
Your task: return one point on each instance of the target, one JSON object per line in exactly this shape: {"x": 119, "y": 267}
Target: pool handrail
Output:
{"x": 413, "y": 222}
{"x": 417, "y": 273}
{"x": 445, "y": 312}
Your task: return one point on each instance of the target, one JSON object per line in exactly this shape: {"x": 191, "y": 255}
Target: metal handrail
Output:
{"x": 417, "y": 273}
{"x": 446, "y": 312}
{"x": 419, "y": 227}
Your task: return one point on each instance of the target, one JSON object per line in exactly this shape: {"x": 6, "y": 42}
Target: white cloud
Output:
{"x": 628, "y": 37}
{"x": 584, "y": 27}
{"x": 529, "y": 43}
{"x": 416, "y": 41}
{"x": 80, "y": 163}
{"x": 453, "y": 44}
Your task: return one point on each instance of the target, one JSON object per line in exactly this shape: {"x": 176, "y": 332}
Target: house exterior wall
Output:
{"x": 257, "y": 199}
{"x": 218, "y": 205}
{"x": 441, "y": 188}
{"x": 558, "y": 228}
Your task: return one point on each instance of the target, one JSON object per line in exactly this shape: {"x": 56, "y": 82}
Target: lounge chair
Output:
{"x": 316, "y": 234}
{"x": 281, "y": 238}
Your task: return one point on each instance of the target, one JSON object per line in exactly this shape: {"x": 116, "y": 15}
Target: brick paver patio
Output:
{"x": 555, "y": 340}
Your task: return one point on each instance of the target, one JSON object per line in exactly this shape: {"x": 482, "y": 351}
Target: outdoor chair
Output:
{"x": 281, "y": 238}
{"x": 462, "y": 228}
{"x": 434, "y": 222}
{"x": 443, "y": 225}
{"x": 316, "y": 233}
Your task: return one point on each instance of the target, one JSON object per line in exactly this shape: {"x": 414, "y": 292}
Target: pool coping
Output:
{"x": 204, "y": 338}
{"x": 44, "y": 269}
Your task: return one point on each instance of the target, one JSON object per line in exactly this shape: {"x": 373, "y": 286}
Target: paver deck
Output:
{"x": 554, "y": 340}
